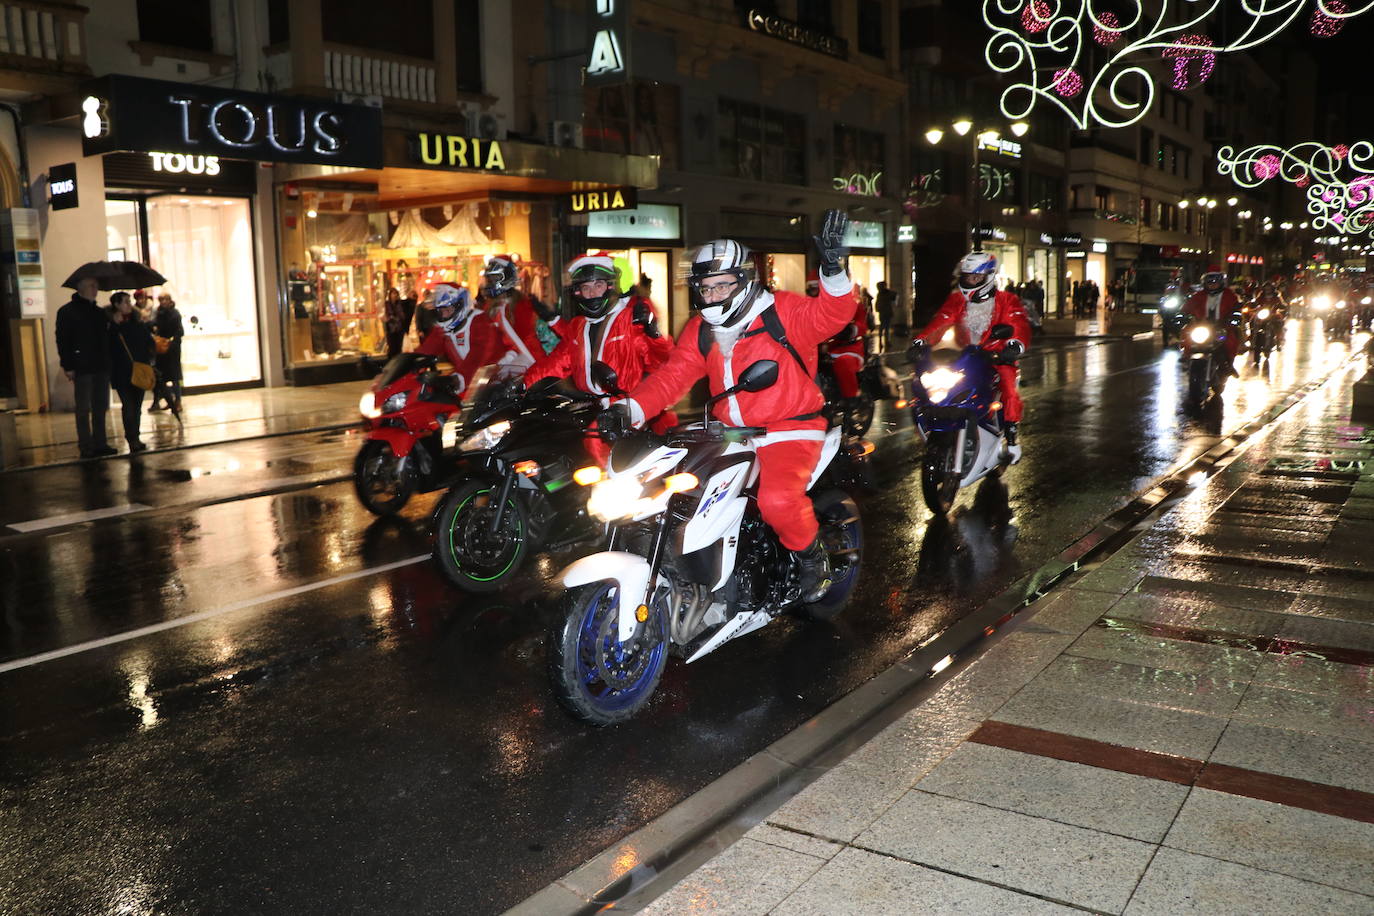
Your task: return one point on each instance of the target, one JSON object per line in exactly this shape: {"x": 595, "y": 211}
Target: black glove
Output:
{"x": 614, "y": 422}
{"x": 645, "y": 318}
{"x": 830, "y": 242}
{"x": 1011, "y": 351}
{"x": 918, "y": 350}
{"x": 548, "y": 312}
{"x": 849, "y": 334}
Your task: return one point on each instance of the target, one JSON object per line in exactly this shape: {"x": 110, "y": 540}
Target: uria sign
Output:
{"x": 122, "y": 113}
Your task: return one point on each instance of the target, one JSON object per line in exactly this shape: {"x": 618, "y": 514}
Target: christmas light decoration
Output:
{"x": 1036, "y": 44}
{"x": 1328, "y": 18}
{"x": 1338, "y": 180}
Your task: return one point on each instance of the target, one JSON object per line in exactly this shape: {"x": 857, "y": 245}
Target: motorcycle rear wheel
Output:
{"x": 594, "y": 676}
{"x": 382, "y": 481}
{"x": 842, "y": 533}
{"x": 858, "y": 417}
{"x": 470, "y": 555}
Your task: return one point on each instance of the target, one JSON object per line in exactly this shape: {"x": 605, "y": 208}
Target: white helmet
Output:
{"x": 449, "y": 296}
{"x": 720, "y": 262}
{"x": 977, "y": 275}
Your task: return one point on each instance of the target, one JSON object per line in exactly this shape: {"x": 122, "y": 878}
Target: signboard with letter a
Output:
{"x": 608, "y": 37}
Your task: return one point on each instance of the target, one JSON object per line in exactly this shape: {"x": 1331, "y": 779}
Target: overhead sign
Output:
{"x": 62, "y": 187}
{"x": 126, "y": 113}
{"x": 998, "y": 145}
{"x": 449, "y": 151}
{"x": 180, "y": 162}
{"x": 608, "y": 199}
{"x": 1062, "y": 240}
{"x": 608, "y": 38}
{"x": 656, "y": 222}
{"x": 906, "y": 233}
{"x": 994, "y": 233}
{"x": 862, "y": 234}
{"x": 796, "y": 33}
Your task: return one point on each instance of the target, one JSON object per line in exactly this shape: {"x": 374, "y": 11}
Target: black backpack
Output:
{"x": 772, "y": 326}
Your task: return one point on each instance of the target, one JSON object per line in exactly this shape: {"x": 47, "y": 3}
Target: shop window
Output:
{"x": 871, "y": 28}
{"x": 860, "y": 160}
{"x": 179, "y": 23}
{"x": 760, "y": 143}
{"x": 649, "y": 127}
{"x": 397, "y": 27}
{"x": 1147, "y": 211}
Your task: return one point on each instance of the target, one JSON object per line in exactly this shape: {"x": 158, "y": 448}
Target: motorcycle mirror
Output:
{"x": 760, "y": 375}
{"x": 1002, "y": 332}
{"x": 606, "y": 378}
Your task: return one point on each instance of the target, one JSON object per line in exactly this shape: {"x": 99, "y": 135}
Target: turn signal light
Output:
{"x": 588, "y": 475}
{"x": 995, "y": 405}
{"x": 680, "y": 483}
{"x": 903, "y": 404}
{"x": 642, "y": 613}
{"x": 527, "y": 468}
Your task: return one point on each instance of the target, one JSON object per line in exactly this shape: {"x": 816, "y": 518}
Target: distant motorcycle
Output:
{"x": 1265, "y": 331}
{"x": 1171, "y": 316}
{"x": 407, "y": 408}
{"x": 956, "y": 409}
{"x": 854, "y": 415}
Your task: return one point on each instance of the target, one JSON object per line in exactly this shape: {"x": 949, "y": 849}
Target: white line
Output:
{"x": 75, "y": 518}
{"x": 202, "y": 615}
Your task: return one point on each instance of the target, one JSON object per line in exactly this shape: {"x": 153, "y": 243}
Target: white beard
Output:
{"x": 977, "y": 317}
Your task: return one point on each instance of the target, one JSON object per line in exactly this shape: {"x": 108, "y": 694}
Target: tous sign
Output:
{"x": 286, "y": 128}
{"x": 176, "y": 162}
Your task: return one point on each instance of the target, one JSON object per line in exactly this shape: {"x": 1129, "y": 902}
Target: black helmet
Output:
{"x": 501, "y": 275}
{"x": 591, "y": 267}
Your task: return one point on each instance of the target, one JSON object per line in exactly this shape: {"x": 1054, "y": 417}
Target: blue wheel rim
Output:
{"x": 633, "y": 672}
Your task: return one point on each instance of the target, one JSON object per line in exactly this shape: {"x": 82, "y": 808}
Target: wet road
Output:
{"x": 309, "y": 720}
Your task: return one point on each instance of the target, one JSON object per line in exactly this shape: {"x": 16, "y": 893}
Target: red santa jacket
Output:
{"x": 860, "y": 321}
{"x": 786, "y": 405}
{"x": 518, "y": 322}
{"x": 623, "y": 346}
{"x": 475, "y": 344}
{"x": 1197, "y": 304}
{"x": 1006, "y": 309}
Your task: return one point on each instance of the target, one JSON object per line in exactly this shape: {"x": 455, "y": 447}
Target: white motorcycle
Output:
{"x": 690, "y": 564}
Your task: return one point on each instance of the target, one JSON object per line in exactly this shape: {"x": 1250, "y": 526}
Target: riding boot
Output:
{"x": 815, "y": 571}
{"x": 1009, "y": 435}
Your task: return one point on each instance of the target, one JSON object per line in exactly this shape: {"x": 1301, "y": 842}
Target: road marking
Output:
{"x": 204, "y": 615}
{"x": 76, "y": 518}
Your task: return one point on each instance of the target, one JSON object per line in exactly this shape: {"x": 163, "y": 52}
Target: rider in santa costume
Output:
{"x": 462, "y": 335}
{"x": 972, "y": 309}
{"x": 618, "y": 330}
{"x": 1216, "y": 302}
{"x": 728, "y": 334}
{"x": 527, "y": 327}
{"x": 847, "y": 347}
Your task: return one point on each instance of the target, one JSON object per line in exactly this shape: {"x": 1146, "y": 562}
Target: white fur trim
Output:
{"x": 838, "y": 285}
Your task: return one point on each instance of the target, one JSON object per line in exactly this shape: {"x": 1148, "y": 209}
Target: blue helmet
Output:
{"x": 448, "y": 296}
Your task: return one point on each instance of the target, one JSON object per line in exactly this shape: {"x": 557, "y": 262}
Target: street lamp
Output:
{"x": 963, "y": 127}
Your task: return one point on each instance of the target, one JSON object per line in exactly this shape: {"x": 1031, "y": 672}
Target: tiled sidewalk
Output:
{"x": 50, "y": 438}
{"x": 1188, "y": 728}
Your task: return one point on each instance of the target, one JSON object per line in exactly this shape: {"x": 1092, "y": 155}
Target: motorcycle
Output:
{"x": 1336, "y": 321}
{"x": 855, "y": 415}
{"x": 408, "y": 409}
{"x": 1265, "y": 331}
{"x": 1364, "y": 314}
{"x": 1209, "y": 360}
{"x": 956, "y": 409}
{"x": 689, "y": 562}
{"x": 1171, "y": 316}
{"x": 516, "y": 470}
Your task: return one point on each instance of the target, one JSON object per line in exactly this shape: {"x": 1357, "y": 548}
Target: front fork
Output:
{"x": 507, "y": 484}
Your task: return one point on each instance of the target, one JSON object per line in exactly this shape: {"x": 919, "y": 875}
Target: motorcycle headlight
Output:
{"x": 396, "y": 402}
{"x": 367, "y": 406}
{"x": 1366, "y": 300}
{"x": 1173, "y": 304}
{"x": 1200, "y": 334}
{"x": 1321, "y": 303}
{"x": 938, "y": 383}
{"x": 1341, "y": 304}
{"x": 615, "y": 497}
{"x": 1262, "y": 314}
{"x": 485, "y": 438}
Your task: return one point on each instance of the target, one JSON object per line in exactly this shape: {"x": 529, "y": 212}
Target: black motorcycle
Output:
{"x": 1265, "y": 330}
{"x": 1208, "y": 358}
{"x": 516, "y": 494}
{"x": 855, "y": 415}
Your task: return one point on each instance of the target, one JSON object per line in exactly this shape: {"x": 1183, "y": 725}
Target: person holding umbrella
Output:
{"x": 131, "y": 345}
{"x": 82, "y": 333}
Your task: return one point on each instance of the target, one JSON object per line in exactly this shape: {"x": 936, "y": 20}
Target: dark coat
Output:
{"x": 139, "y": 338}
{"x": 167, "y": 323}
{"x": 83, "y": 337}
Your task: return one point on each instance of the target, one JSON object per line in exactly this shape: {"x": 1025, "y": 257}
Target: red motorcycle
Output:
{"x": 408, "y": 407}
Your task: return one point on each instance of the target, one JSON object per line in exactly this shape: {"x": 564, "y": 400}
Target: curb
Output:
{"x": 790, "y": 762}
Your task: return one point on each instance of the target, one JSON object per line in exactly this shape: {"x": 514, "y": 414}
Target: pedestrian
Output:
{"x": 886, "y": 305}
{"x": 395, "y": 322}
{"x": 1077, "y": 299}
{"x": 167, "y": 327}
{"x": 83, "y": 333}
{"x": 131, "y": 344}
{"x": 866, "y": 299}
{"x": 1094, "y": 294}
{"x": 143, "y": 305}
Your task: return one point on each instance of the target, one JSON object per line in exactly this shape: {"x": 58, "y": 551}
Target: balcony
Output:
{"x": 43, "y": 38}
{"x": 361, "y": 74}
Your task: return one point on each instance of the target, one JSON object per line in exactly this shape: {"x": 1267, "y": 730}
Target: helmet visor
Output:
{"x": 592, "y": 288}
{"x": 972, "y": 281}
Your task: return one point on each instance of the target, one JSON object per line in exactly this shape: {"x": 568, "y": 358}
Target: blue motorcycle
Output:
{"x": 956, "y": 408}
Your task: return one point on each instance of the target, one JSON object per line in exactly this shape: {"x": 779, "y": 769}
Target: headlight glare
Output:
{"x": 615, "y": 497}
{"x": 367, "y": 405}
{"x": 1200, "y": 334}
{"x": 938, "y": 383}
{"x": 1262, "y": 314}
{"x": 487, "y": 437}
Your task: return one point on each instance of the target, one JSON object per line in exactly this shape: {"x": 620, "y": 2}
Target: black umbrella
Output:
{"x": 116, "y": 275}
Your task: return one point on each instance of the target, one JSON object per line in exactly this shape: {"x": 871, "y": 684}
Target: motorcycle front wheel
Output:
{"x": 939, "y": 484}
{"x": 842, "y": 533}
{"x": 473, "y": 556}
{"x": 383, "y": 481}
{"x": 1199, "y": 380}
{"x": 594, "y": 676}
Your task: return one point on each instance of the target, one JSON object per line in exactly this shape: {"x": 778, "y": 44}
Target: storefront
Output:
{"x": 649, "y": 238}
{"x": 440, "y": 206}
{"x": 1006, "y": 246}
{"x": 867, "y": 243}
